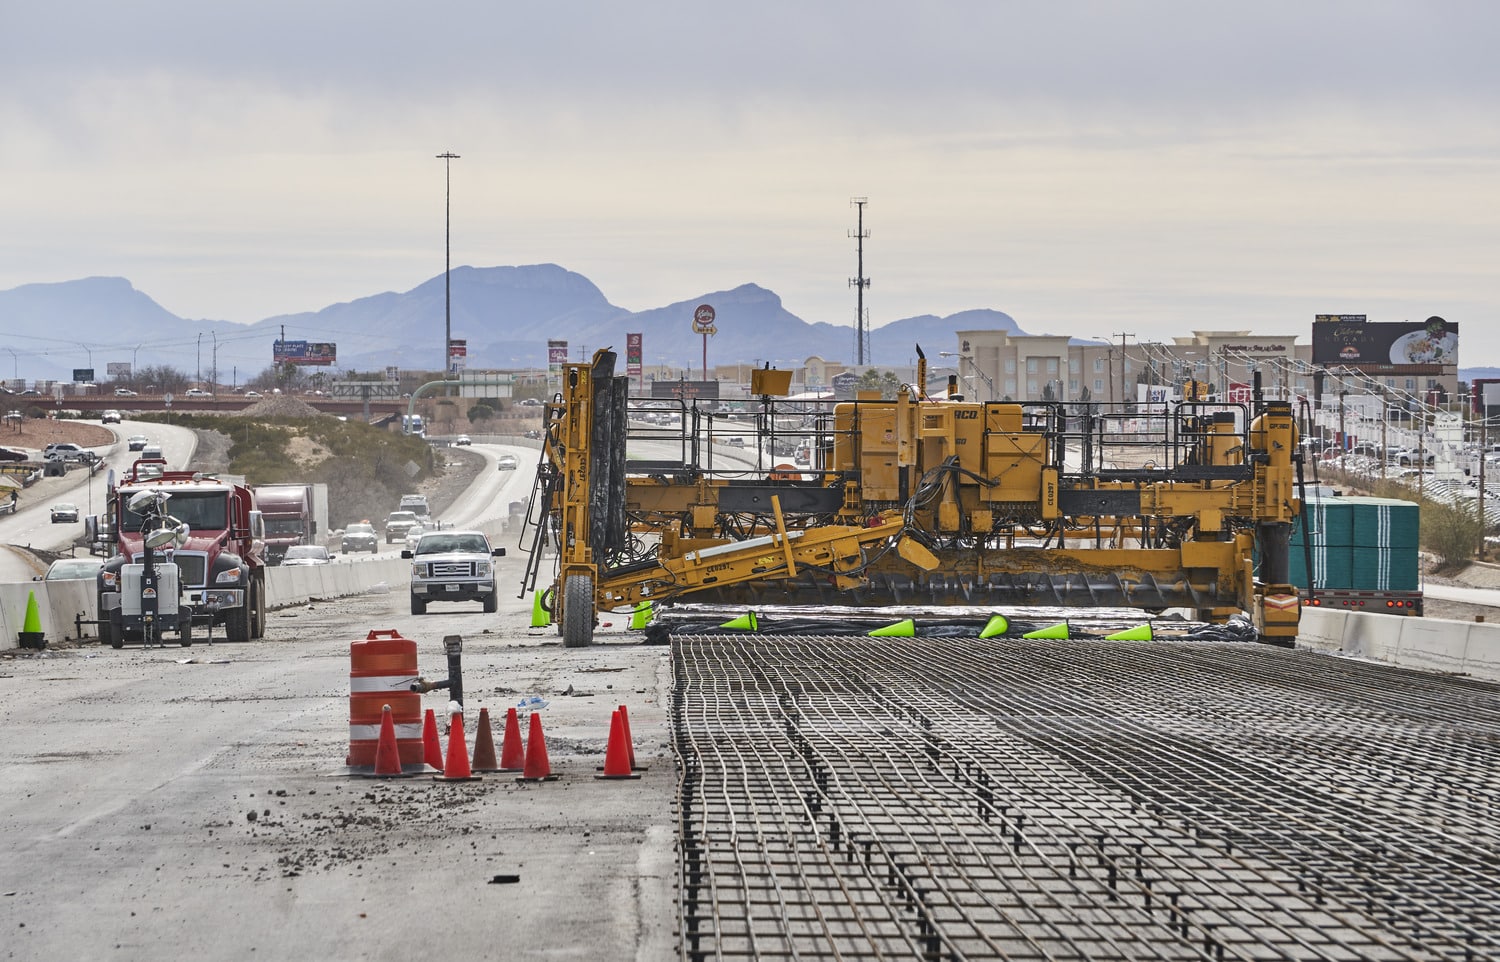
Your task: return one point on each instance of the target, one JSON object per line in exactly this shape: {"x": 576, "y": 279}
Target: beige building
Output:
{"x": 998, "y": 365}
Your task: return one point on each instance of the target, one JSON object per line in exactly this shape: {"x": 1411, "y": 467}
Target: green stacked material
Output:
{"x": 1366, "y": 544}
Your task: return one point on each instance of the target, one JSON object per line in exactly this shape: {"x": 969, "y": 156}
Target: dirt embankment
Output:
{"x": 34, "y": 434}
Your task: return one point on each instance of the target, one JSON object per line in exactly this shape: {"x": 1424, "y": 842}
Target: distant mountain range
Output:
{"x": 506, "y": 314}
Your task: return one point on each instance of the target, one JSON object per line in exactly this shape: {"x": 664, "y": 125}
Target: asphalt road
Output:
{"x": 31, "y": 525}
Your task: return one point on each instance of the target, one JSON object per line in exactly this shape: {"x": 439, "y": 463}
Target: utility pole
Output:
{"x": 214, "y": 367}
{"x": 859, "y": 283}
{"x": 447, "y": 157}
{"x": 199, "y": 376}
{"x": 1124, "y": 399}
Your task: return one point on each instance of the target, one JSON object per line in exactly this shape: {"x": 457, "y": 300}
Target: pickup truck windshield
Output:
{"x": 443, "y": 543}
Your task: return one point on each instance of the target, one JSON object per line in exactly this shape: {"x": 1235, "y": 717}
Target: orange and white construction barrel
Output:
{"x": 382, "y": 669}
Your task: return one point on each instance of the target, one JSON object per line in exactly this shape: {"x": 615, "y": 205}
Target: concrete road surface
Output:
{"x": 177, "y": 803}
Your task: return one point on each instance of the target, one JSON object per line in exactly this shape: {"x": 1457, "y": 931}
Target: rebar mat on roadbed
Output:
{"x": 920, "y": 798}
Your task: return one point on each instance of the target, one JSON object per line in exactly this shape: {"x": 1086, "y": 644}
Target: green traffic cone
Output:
{"x": 1057, "y": 631}
{"x": 745, "y": 622}
{"x": 640, "y": 616}
{"x": 998, "y": 625}
{"x": 31, "y": 629}
{"x": 540, "y": 616}
{"x": 905, "y": 628}
{"x": 1138, "y": 633}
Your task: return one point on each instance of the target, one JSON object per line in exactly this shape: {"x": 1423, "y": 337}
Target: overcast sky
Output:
{"x": 1090, "y": 168}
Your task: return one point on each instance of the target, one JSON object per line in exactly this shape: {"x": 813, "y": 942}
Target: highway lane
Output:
{"x": 31, "y": 525}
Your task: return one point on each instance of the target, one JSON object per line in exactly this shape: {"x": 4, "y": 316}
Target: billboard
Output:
{"x": 685, "y": 390}
{"x": 557, "y": 356}
{"x": 458, "y": 354}
{"x": 633, "y": 357}
{"x": 1349, "y": 340}
{"x": 117, "y": 368}
{"x": 304, "y": 352}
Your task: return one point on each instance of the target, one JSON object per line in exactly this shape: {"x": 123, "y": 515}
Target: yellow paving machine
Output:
{"x": 911, "y": 500}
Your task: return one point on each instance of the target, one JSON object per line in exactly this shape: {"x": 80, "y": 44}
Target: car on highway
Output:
{"x": 462, "y": 440}
{"x": 137, "y": 442}
{"x": 196, "y": 392}
{"x": 110, "y": 417}
{"x": 507, "y": 462}
{"x": 361, "y": 536}
{"x": 398, "y": 523}
{"x": 255, "y": 394}
{"x": 306, "y": 554}
{"x": 453, "y": 566}
{"x": 413, "y": 536}
{"x": 64, "y": 513}
{"x": 71, "y": 569}
{"x": 125, "y": 392}
{"x": 10, "y": 454}
{"x": 68, "y": 451}
{"x": 534, "y": 434}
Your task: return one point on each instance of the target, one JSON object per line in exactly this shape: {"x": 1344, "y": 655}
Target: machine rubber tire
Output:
{"x": 578, "y": 611}
{"x": 492, "y": 602}
{"x": 185, "y": 633}
{"x": 418, "y": 606}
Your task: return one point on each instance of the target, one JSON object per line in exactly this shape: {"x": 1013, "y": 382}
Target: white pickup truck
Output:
{"x": 453, "y": 566}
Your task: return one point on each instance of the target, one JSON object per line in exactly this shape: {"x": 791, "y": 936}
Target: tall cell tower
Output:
{"x": 859, "y": 283}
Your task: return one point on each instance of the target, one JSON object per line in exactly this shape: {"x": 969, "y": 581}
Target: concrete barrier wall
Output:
{"x": 1426, "y": 644}
{"x": 301, "y": 583}
{"x": 59, "y": 601}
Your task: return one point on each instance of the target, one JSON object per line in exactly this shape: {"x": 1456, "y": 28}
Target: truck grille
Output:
{"x": 450, "y": 569}
{"x": 192, "y": 568}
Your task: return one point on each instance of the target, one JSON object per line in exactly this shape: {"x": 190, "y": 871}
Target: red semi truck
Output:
{"x": 293, "y": 513}
{"x": 219, "y": 555}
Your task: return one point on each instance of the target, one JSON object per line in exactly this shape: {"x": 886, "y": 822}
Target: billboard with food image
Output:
{"x": 1351, "y": 340}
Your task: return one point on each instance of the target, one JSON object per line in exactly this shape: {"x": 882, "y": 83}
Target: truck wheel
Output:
{"x": 185, "y": 633}
{"x": 237, "y": 623}
{"x": 492, "y": 602}
{"x": 258, "y": 610}
{"x": 116, "y": 630}
{"x": 418, "y": 605}
{"x": 578, "y": 611}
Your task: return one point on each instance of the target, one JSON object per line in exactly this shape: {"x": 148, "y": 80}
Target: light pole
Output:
{"x": 15, "y": 365}
{"x": 199, "y": 376}
{"x": 134, "y": 355}
{"x": 447, "y": 157}
{"x": 213, "y": 367}
{"x": 976, "y": 369}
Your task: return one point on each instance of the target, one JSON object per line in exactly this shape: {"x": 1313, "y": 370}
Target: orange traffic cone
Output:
{"x": 432, "y": 748}
{"x": 484, "y": 745}
{"x": 512, "y": 755}
{"x": 457, "y": 768}
{"x": 387, "y": 755}
{"x": 537, "y": 769}
{"x": 617, "y": 752}
{"x": 629, "y": 740}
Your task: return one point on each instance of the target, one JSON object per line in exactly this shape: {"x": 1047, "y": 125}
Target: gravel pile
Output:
{"x": 280, "y": 406}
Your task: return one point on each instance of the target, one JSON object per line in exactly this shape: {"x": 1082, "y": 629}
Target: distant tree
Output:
{"x": 1048, "y": 394}
{"x": 886, "y": 382}
{"x": 481, "y": 412}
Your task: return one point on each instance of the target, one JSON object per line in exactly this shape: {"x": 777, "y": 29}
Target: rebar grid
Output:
{"x": 941, "y": 798}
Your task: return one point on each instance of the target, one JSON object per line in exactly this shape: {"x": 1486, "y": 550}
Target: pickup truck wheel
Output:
{"x": 418, "y": 605}
{"x": 492, "y": 602}
{"x": 578, "y": 611}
